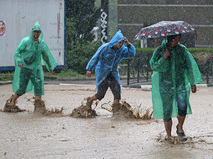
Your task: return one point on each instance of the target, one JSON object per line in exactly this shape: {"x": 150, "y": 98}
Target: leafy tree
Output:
{"x": 79, "y": 56}
{"x": 81, "y": 17}
{"x": 70, "y": 31}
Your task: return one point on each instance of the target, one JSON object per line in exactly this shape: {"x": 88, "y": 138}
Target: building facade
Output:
{"x": 136, "y": 14}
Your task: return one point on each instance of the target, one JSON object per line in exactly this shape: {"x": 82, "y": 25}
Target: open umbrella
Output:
{"x": 163, "y": 29}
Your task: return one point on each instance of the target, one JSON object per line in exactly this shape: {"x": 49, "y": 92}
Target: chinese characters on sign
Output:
{"x": 104, "y": 20}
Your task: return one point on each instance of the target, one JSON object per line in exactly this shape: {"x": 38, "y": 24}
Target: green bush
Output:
{"x": 193, "y": 51}
{"x": 68, "y": 73}
{"x": 198, "y": 50}
{"x": 6, "y": 76}
{"x": 79, "y": 56}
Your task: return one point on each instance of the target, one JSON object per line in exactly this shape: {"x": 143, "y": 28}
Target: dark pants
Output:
{"x": 182, "y": 109}
{"x": 111, "y": 82}
{"x": 25, "y": 76}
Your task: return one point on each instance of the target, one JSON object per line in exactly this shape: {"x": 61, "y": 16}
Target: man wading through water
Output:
{"x": 174, "y": 73}
{"x": 105, "y": 62}
{"x": 29, "y": 75}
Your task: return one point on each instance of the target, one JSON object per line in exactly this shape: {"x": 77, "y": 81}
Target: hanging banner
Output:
{"x": 104, "y": 20}
{"x": 2, "y": 28}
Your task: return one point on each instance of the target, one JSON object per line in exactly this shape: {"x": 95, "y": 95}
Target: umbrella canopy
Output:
{"x": 163, "y": 29}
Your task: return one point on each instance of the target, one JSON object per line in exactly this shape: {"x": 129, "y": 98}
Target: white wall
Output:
{"x": 20, "y": 16}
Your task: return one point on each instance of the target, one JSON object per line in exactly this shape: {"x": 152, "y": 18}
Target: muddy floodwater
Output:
{"x": 29, "y": 135}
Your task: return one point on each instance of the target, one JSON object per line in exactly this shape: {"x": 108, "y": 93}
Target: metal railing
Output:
{"x": 139, "y": 71}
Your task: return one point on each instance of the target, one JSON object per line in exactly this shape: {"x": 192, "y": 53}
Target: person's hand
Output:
{"x": 88, "y": 73}
{"x": 194, "y": 88}
{"x": 166, "y": 54}
{"x": 20, "y": 65}
{"x": 126, "y": 40}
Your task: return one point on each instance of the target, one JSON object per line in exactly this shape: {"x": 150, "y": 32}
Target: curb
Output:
{"x": 5, "y": 82}
{"x": 198, "y": 85}
{"x": 75, "y": 78}
{"x": 93, "y": 78}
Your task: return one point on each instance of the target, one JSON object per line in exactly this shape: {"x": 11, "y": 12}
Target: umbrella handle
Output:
{"x": 156, "y": 43}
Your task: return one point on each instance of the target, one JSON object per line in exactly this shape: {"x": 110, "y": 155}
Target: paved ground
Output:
{"x": 27, "y": 135}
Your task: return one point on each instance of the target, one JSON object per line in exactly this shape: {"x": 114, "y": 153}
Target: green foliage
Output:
{"x": 8, "y": 76}
{"x": 191, "y": 50}
{"x": 70, "y": 32}
{"x": 80, "y": 54}
{"x": 201, "y": 55}
{"x": 198, "y": 50}
{"x": 81, "y": 16}
{"x": 69, "y": 73}
{"x": 136, "y": 43}
{"x": 145, "y": 50}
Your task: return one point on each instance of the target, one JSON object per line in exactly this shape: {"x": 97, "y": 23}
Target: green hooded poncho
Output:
{"x": 29, "y": 53}
{"x": 172, "y": 77}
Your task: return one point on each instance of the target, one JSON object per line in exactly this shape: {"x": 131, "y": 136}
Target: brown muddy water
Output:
{"x": 29, "y": 135}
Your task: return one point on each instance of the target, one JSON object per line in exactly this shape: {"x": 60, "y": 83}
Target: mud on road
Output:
{"x": 29, "y": 135}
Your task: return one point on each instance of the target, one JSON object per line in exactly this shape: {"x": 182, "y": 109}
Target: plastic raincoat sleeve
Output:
{"x": 193, "y": 74}
{"x": 158, "y": 61}
{"x": 94, "y": 60}
{"x": 18, "y": 51}
{"x": 128, "y": 52}
{"x": 49, "y": 61}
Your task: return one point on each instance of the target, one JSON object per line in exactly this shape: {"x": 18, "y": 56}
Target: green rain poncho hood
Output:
{"x": 36, "y": 27}
{"x": 172, "y": 77}
{"x": 29, "y": 54}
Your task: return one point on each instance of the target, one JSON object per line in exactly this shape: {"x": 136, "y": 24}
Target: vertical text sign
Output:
{"x": 104, "y": 20}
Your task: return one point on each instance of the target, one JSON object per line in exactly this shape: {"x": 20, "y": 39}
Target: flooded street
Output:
{"x": 27, "y": 135}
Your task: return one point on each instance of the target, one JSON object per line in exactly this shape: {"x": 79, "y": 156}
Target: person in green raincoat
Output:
{"x": 29, "y": 75}
{"x": 174, "y": 73}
